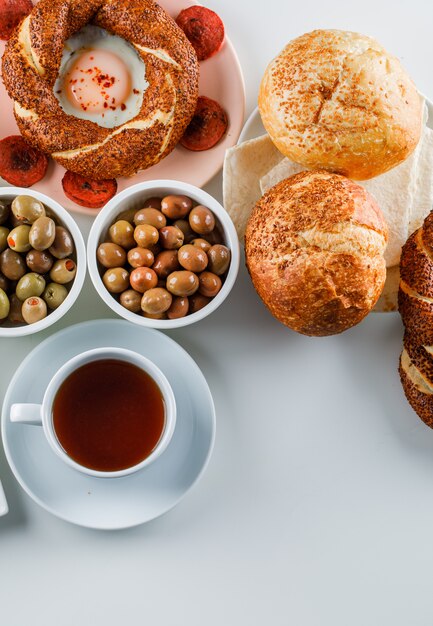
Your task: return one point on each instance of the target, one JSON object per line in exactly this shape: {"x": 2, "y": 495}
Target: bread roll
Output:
{"x": 337, "y": 100}
{"x": 415, "y": 303}
{"x": 314, "y": 248}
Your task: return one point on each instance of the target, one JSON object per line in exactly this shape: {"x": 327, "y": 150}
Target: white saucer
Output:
{"x": 118, "y": 502}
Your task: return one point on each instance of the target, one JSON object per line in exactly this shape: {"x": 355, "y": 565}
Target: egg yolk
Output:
{"x": 97, "y": 81}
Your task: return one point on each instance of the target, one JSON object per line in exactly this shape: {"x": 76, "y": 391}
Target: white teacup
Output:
{"x": 42, "y": 414}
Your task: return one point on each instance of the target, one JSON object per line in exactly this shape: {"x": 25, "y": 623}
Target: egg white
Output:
{"x": 97, "y": 38}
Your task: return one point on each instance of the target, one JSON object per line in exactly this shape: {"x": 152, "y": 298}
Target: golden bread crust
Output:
{"x": 337, "y": 100}
{"x": 314, "y": 248}
{"x": 30, "y": 68}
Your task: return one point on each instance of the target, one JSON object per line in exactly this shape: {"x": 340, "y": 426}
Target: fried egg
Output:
{"x": 101, "y": 78}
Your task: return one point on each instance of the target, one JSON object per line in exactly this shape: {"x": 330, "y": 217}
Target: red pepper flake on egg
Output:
{"x": 100, "y": 87}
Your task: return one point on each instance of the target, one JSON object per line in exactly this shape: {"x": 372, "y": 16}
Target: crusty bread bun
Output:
{"x": 337, "y": 100}
{"x": 415, "y": 303}
{"x": 314, "y": 248}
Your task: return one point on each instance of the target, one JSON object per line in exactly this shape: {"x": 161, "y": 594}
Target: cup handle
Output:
{"x": 26, "y": 414}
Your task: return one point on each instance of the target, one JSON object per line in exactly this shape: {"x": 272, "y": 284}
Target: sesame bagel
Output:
{"x": 418, "y": 388}
{"x": 314, "y": 248}
{"x": 30, "y": 69}
{"x": 338, "y": 100}
{"x": 415, "y": 303}
{"x": 415, "y": 296}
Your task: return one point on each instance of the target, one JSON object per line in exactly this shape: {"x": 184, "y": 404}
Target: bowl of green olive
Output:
{"x": 42, "y": 261}
{"x": 163, "y": 254}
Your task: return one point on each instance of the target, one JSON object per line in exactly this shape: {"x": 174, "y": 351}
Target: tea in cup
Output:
{"x": 108, "y": 412}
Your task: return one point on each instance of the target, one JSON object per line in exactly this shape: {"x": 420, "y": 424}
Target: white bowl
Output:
{"x": 64, "y": 219}
{"x": 133, "y": 198}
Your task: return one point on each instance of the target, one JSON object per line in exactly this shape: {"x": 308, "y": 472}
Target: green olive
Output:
{"x": 197, "y": 302}
{"x": 111, "y": 254}
{"x": 34, "y": 309}
{"x": 188, "y": 233}
{"x": 4, "y": 283}
{"x": 4, "y": 233}
{"x": 146, "y": 235}
{"x": 202, "y": 220}
{"x": 15, "y": 315}
{"x": 63, "y": 271}
{"x": 201, "y": 243}
{"x": 4, "y": 211}
{"x": 131, "y": 300}
{"x": 4, "y": 305}
{"x": 143, "y": 278}
{"x": 63, "y": 244}
{"x": 179, "y": 308}
{"x": 176, "y": 207}
{"x": 116, "y": 279}
{"x": 30, "y": 285}
{"x": 122, "y": 233}
{"x": 219, "y": 259}
{"x": 171, "y": 237}
{"x": 154, "y": 203}
{"x": 166, "y": 262}
{"x": 209, "y": 284}
{"x": 154, "y": 316}
{"x": 192, "y": 258}
{"x": 13, "y": 222}
{"x": 27, "y": 209}
{"x": 18, "y": 238}
{"x": 12, "y": 264}
{"x": 215, "y": 236}
{"x": 150, "y": 216}
{"x": 127, "y": 215}
{"x": 182, "y": 283}
{"x": 39, "y": 261}
{"x": 54, "y": 295}
{"x": 156, "y": 301}
{"x": 140, "y": 257}
{"x": 42, "y": 233}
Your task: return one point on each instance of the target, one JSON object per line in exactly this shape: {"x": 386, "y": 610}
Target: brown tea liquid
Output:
{"x": 108, "y": 415}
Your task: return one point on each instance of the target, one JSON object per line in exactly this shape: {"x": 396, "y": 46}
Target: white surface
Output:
{"x": 317, "y": 506}
{"x": 132, "y": 199}
{"x": 110, "y": 503}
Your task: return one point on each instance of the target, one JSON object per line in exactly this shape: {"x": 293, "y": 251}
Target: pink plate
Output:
{"x": 220, "y": 79}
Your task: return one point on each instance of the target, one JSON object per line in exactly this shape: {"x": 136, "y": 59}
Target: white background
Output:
{"x": 317, "y": 506}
